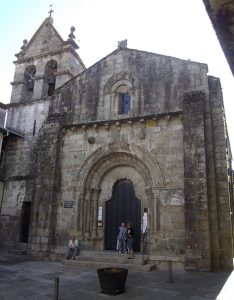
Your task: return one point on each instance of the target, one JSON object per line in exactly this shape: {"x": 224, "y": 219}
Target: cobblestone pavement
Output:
{"x": 34, "y": 280}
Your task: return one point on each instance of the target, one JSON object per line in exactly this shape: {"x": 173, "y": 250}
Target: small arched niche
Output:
{"x": 50, "y": 78}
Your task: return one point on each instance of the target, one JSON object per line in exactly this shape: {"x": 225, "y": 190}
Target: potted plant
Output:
{"x": 112, "y": 280}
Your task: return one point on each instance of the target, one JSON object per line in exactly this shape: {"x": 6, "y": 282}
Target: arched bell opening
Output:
{"x": 29, "y": 77}
{"x": 50, "y": 78}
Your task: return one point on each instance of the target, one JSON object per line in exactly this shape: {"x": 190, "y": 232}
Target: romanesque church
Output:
{"x": 137, "y": 137}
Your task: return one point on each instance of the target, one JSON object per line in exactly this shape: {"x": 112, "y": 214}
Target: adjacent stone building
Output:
{"x": 137, "y": 137}
{"x": 221, "y": 13}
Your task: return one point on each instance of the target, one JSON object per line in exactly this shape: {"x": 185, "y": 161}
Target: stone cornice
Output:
{"x": 65, "y": 72}
{"x": 31, "y": 101}
{"x": 129, "y": 120}
{"x": 51, "y": 53}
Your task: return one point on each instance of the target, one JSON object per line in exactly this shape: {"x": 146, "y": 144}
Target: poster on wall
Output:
{"x": 145, "y": 222}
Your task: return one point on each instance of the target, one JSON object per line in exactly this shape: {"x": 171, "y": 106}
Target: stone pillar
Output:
{"x": 224, "y": 221}
{"x": 197, "y": 248}
{"x": 156, "y": 193}
{"x": 38, "y": 87}
{"x": 87, "y": 211}
{"x": 80, "y": 212}
{"x": 150, "y": 201}
{"x": 45, "y": 202}
{"x": 95, "y": 193}
{"x": 211, "y": 187}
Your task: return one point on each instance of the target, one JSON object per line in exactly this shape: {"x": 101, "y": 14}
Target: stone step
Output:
{"x": 120, "y": 259}
{"x": 98, "y": 265}
{"x": 102, "y": 259}
{"x": 106, "y": 253}
{"x": 101, "y": 254}
{"x": 17, "y": 251}
{"x": 22, "y": 246}
{"x": 20, "y": 249}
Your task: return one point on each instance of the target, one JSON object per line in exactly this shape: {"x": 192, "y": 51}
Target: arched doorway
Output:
{"x": 26, "y": 209}
{"x": 123, "y": 206}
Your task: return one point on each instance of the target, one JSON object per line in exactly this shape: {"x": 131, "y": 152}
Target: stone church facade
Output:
{"x": 137, "y": 137}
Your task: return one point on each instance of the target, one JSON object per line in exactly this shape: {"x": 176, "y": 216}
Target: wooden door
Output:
{"x": 122, "y": 207}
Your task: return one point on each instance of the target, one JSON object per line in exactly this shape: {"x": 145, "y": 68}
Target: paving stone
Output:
{"x": 35, "y": 280}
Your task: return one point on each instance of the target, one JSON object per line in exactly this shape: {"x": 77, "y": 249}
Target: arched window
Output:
{"x": 50, "y": 77}
{"x": 125, "y": 102}
{"x": 124, "y": 99}
{"x": 29, "y": 76}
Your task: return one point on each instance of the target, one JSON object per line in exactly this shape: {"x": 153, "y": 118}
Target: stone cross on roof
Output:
{"x": 51, "y": 11}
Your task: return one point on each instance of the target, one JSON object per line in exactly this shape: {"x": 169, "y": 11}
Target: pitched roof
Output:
{"x": 45, "y": 39}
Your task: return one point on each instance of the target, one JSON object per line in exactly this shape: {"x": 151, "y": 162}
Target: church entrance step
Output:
{"x": 102, "y": 259}
{"x": 94, "y": 264}
{"x": 20, "y": 249}
{"x": 17, "y": 251}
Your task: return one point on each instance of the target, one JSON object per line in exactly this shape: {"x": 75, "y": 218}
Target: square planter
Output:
{"x": 112, "y": 280}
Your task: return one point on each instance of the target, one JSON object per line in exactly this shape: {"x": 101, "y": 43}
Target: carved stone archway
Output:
{"x": 95, "y": 183}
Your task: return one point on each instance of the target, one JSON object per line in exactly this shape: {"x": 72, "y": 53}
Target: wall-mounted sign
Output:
{"x": 68, "y": 204}
{"x": 145, "y": 222}
{"x": 100, "y": 214}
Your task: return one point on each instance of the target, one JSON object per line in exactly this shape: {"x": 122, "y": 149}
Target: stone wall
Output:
{"x": 10, "y": 221}
{"x": 156, "y": 142}
{"x": 22, "y": 117}
{"x": 170, "y": 145}
{"x": 45, "y": 200}
{"x": 195, "y": 184}
{"x": 156, "y": 84}
{"x": 221, "y": 13}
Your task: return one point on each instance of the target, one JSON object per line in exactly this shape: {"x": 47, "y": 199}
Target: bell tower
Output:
{"x": 44, "y": 63}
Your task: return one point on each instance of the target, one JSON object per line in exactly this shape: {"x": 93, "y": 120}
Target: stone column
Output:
{"x": 95, "y": 194}
{"x": 38, "y": 87}
{"x": 221, "y": 208}
{"x": 47, "y": 186}
{"x": 150, "y": 198}
{"x": 197, "y": 248}
{"x": 87, "y": 212}
{"x": 80, "y": 213}
{"x": 156, "y": 194}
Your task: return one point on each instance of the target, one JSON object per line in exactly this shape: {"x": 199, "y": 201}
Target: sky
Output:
{"x": 178, "y": 28}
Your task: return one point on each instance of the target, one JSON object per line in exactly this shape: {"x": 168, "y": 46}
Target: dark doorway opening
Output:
{"x": 123, "y": 206}
{"x": 26, "y": 209}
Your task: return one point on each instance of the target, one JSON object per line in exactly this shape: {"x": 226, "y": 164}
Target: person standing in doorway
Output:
{"x": 72, "y": 248}
{"x": 130, "y": 235}
{"x": 122, "y": 239}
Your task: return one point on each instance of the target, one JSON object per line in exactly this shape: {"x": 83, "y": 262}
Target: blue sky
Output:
{"x": 177, "y": 28}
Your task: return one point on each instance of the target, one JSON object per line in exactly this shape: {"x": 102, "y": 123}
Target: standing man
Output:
{"x": 130, "y": 234}
{"x": 72, "y": 248}
{"x": 122, "y": 238}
